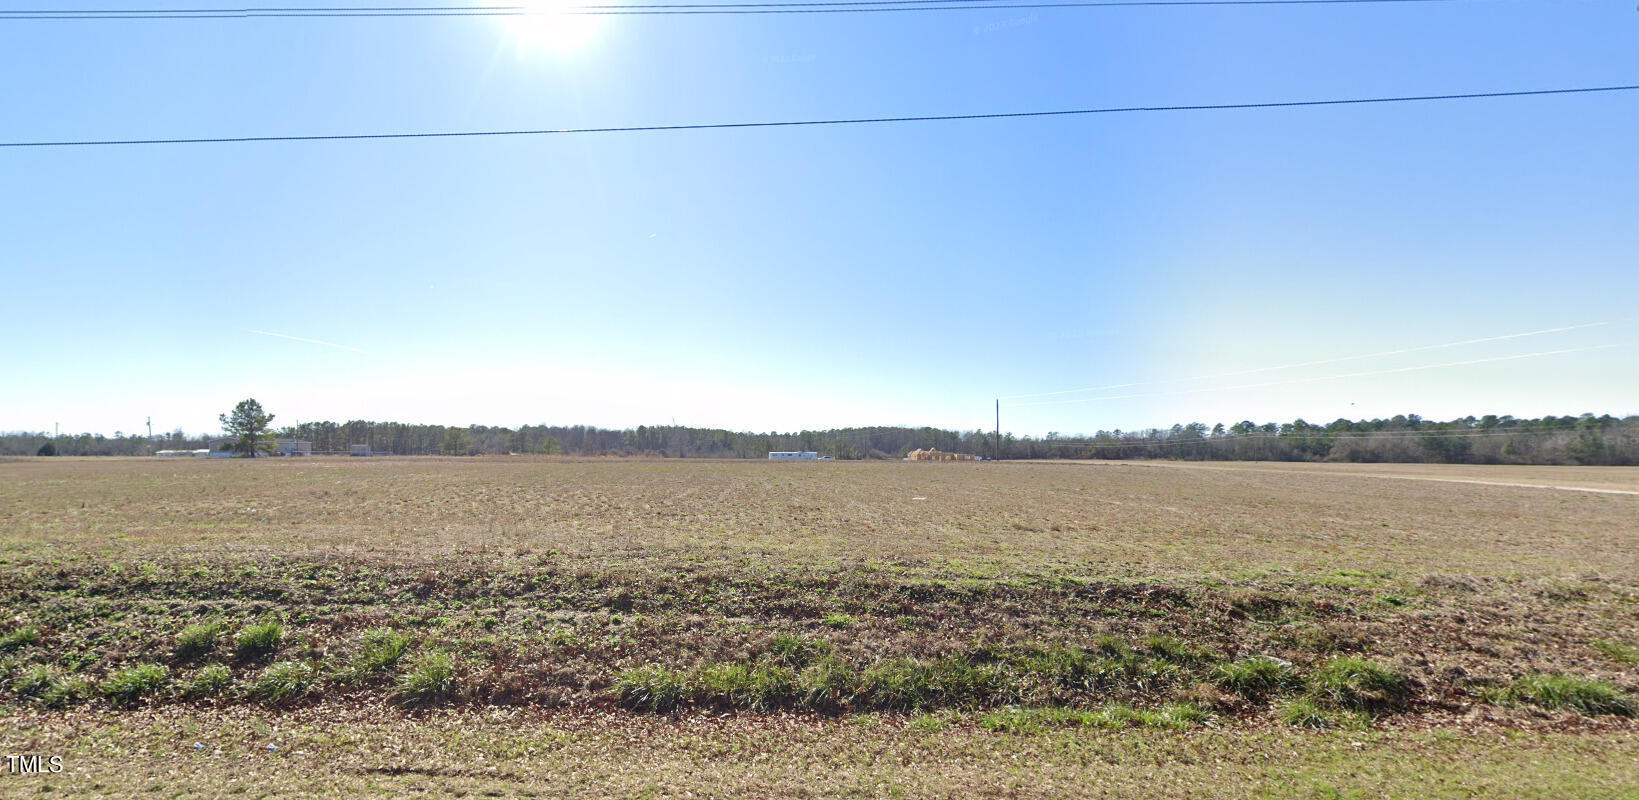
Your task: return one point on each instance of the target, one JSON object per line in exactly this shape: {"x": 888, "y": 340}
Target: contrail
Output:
{"x": 1319, "y": 378}
{"x": 309, "y": 341}
{"x": 1310, "y": 363}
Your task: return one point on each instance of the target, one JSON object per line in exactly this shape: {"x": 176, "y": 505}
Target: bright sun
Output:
{"x": 548, "y": 25}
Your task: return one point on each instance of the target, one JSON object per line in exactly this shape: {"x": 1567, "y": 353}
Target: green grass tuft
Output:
{"x": 19, "y": 639}
{"x": 652, "y": 688}
{"x": 1584, "y": 695}
{"x": 1359, "y": 684}
{"x": 795, "y": 651}
{"x": 259, "y": 640}
{"x": 211, "y": 680}
{"x": 826, "y": 684}
{"x": 197, "y": 641}
{"x": 1256, "y": 678}
{"x": 47, "y": 686}
{"x": 285, "y": 680}
{"x": 383, "y": 649}
{"x": 131, "y": 684}
{"x": 898, "y": 683}
{"x": 1618, "y": 652}
{"x": 838, "y": 620}
{"x": 430, "y": 677}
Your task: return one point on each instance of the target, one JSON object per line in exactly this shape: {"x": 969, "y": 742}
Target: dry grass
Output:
{"x": 1128, "y": 520}
{"x": 512, "y": 753}
{"x": 1071, "y": 586}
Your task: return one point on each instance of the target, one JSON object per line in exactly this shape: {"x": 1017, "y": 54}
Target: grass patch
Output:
{"x": 652, "y": 688}
{"x": 897, "y": 684}
{"x": 1304, "y": 712}
{"x": 128, "y": 686}
{"x": 285, "y": 680}
{"x": 210, "y": 681}
{"x": 1359, "y": 684}
{"x": 795, "y": 651}
{"x": 1618, "y": 652}
{"x": 1178, "y": 716}
{"x": 47, "y": 686}
{"x": 1257, "y": 678}
{"x": 430, "y": 677}
{"x": 1564, "y": 692}
{"x": 256, "y": 641}
{"x": 827, "y": 684}
{"x": 837, "y": 620}
{"x": 19, "y": 639}
{"x": 383, "y": 649}
{"x": 198, "y": 641}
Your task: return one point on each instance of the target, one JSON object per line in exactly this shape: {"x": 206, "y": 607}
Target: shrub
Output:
{"x": 197, "y": 641}
{"x": 430, "y": 677}
{"x": 19, "y": 639}
{"x": 1578, "y": 694}
{"x": 131, "y": 684}
{"x": 259, "y": 640}
{"x": 1255, "y": 678}
{"x": 827, "y": 684}
{"x": 285, "y": 680}
{"x": 210, "y": 680}
{"x": 1356, "y": 683}
{"x": 652, "y": 688}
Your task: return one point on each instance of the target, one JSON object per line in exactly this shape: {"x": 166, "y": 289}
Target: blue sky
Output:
{"x": 817, "y": 277}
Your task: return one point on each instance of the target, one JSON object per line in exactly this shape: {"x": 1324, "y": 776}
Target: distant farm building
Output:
{"x": 933, "y": 454}
{"x": 200, "y": 453}
{"x": 793, "y": 455}
{"x": 359, "y": 450}
{"x": 293, "y": 447}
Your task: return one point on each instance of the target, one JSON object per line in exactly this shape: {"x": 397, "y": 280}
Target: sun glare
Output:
{"x": 549, "y": 25}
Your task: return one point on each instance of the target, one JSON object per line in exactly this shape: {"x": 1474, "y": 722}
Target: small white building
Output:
{"x": 293, "y": 447}
{"x": 793, "y": 455}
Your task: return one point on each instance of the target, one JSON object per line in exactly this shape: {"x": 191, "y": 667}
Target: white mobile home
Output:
{"x": 793, "y": 455}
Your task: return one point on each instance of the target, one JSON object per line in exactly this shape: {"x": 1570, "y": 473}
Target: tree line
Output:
{"x": 1585, "y": 439}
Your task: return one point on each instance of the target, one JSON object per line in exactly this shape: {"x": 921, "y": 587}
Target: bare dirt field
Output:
{"x": 1007, "y": 629}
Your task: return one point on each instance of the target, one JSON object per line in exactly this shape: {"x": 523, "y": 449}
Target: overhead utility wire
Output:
{"x": 670, "y": 9}
{"x": 802, "y": 123}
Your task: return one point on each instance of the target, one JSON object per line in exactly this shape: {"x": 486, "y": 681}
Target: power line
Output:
{"x": 815, "y": 122}
{"x": 667, "y": 9}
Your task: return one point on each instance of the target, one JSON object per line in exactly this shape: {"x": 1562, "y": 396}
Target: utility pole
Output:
{"x": 150, "y": 436}
{"x": 998, "y": 429}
